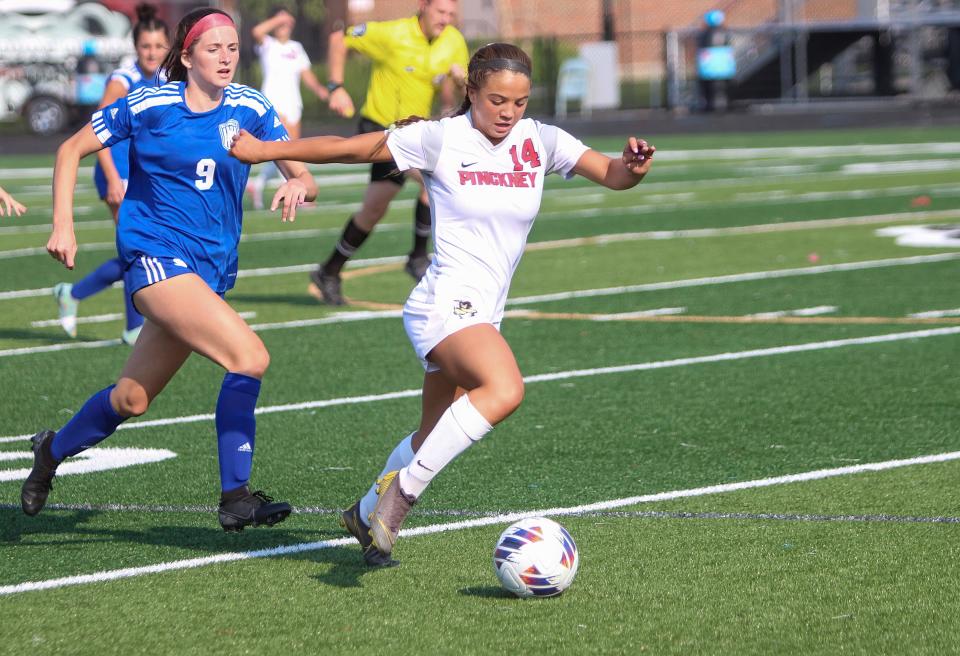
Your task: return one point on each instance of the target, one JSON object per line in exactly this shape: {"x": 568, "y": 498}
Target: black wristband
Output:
{"x": 333, "y": 86}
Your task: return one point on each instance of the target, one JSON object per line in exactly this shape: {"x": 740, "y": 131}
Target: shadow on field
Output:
{"x": 486, "y": 591}
{"x": 22, "y": 333}
{"x": 72, "y": 527}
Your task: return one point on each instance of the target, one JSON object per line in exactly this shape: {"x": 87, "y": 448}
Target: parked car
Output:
{"x": 54, "y": 60}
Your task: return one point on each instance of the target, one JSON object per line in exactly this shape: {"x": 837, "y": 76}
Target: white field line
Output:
{"x": 945, "y": 189}
{"x": 806, "y": 152}
{"x": 935, "y": 314}
{"x": 243, "y": 273}
{"x": 42, "y": 250}
{"x": 904, "y": 166}
{"x": 799, "y": 312}
{"x": 597, "y": 240}
{"x": 736, "y": 277}
{"x": 619, "y": 316}
{"x": 542, "y": 298}
{"x": 44, "y": 228}
{"x": 506, "y": 518}
{"x": 699, "y": 155}
{"x": 563, "y": 375}
{"x": 106, "y": 318}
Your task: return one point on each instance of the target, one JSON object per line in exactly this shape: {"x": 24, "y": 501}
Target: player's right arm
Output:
{"x": 115, "y": 89}
{"x": 62, "y": 244}
{"x": 360, "y": 149}
{"x": 262, "y": 29}
{"x": 340, "y": 101}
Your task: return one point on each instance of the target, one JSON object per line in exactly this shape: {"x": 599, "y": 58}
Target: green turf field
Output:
{"x": 741, "y": 401}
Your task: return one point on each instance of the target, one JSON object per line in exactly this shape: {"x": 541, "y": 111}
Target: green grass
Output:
{"x": 854, "y": 563}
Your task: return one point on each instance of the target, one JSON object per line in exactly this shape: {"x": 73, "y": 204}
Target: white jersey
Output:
{"x": 282, "y": 64}
{"x": 483, "y": 200}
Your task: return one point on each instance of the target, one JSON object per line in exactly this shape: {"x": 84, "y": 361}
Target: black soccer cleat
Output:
{"x": 33, "y": 494}
{"x": 416, "y": 266}
{"x": 350, "y": 519}
{"x": 243, "y": 508}
{"x": 329, "y": 286}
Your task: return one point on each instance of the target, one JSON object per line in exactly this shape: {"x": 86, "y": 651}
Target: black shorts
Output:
{"x": 381, "y": 170}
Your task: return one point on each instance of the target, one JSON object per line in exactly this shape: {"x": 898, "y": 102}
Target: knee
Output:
{"x": 508, "y": 394}
{"x": 129, "y": 399}
{"x": 252, "y": 361}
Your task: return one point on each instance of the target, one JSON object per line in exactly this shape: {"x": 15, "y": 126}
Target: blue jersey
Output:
{"x": 132, "y": 78}
{"x": 185, "y": 192}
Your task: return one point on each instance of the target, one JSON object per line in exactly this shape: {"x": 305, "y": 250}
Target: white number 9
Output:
{"x": 205, "y": 169}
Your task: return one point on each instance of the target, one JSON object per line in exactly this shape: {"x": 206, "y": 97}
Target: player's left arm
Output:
{"x": 360, "y": 149}
{"x": 299, "y": 188}
{"x": 621, "y": 172}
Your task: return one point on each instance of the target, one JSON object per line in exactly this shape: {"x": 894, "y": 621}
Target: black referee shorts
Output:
{"x": 381, "y": 170}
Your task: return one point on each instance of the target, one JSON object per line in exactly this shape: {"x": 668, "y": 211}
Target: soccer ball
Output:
{"x": 535, "y": 558}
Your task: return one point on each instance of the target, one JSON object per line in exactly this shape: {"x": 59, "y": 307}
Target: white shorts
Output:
{"x": 437, "y": 308}
{"x": 289, "y": 109}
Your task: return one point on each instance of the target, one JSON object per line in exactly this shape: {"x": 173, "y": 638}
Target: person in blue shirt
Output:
{"x": 179, "y": 226}
{"x": 110, "y": 175}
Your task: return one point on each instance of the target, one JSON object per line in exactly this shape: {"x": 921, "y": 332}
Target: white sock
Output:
{"x": 459, "y": 427}
{"x": 400, "y": 457}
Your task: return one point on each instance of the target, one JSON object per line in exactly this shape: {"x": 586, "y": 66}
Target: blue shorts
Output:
{"x": 146, "y": 271}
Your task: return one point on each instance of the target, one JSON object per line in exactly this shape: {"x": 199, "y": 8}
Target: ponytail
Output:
{"x": 147, "y": 21}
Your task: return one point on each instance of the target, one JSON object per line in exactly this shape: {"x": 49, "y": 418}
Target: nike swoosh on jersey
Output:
{"x": 464, "y": 165}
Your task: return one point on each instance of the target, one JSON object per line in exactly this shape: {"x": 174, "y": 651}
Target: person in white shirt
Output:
{"x": 484, "y": 170}
{"x": 284, "y": 64}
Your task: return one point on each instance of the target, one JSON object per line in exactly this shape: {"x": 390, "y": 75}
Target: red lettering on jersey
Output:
{"x": 523, "y": 179}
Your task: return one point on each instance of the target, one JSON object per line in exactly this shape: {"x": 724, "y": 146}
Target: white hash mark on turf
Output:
{"x": 562, "y": 375}
{"x": 130, "y": 572}
{"x": 91, "y": 460}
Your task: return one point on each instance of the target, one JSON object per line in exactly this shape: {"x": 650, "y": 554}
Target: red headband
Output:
{"x": 208, "y": 22}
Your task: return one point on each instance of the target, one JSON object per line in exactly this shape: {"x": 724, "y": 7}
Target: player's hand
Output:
{"x": 115, "y": 193}
{"x": 9, "y": 204}
{"x": 289, "y": 196}
{"x": 342, "y": 103}
{"x": 458, "y": 75}
{"x": 284, "y": 16}
{"x": 638, "y": 156}
{"x": 247, "y": 148}
{"x": 62, "y": 245}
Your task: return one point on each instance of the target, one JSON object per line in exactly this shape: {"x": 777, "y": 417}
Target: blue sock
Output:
{"x": 236, "y": 426}
{"x": 134, "y": 318}
{"x": 95, "y": 422}
{"x": 99, "y": 279}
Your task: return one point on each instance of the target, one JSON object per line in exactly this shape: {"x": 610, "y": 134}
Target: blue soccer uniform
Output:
{"x": 132, "y": 78}
{"x": 183, "y": 209}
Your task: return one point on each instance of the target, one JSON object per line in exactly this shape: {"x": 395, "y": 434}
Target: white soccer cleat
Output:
{"x": 129, "y": 337}
{"x": 67, "y": 307}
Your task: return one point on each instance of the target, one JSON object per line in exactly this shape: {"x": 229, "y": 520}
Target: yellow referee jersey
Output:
{"x": 407, "y": 68}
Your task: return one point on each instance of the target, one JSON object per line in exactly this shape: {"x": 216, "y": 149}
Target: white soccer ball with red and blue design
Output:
{"x": 536, "y": 558}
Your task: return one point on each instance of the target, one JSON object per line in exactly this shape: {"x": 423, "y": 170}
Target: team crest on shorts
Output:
{"x": 228, "y": 131}
{"x": 464, "y": 309}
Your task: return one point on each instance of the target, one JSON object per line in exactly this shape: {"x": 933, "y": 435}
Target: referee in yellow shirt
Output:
{"x": 412, "y": 58}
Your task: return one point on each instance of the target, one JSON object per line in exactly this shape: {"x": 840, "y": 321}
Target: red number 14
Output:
{"x": 528, "y": 154}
